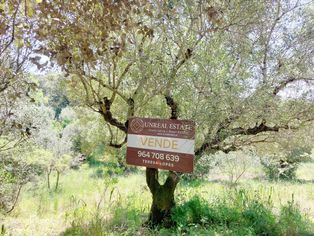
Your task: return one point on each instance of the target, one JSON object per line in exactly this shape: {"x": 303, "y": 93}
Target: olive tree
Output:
{"x": 17, "y": 166}
{"x": 55, "y": 147}
{"x": 17, "y": 123}
{"x": 15, "y": 85}
{"x": 224, "y": 64}
{"x": 282, "y": 157}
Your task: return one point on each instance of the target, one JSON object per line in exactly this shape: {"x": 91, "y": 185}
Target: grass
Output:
{"x": 87, "y": 205}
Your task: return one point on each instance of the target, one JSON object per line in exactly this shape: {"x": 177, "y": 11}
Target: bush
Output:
{"x": 233, "y": 165}
{"x": 95, "y": 227}
{"x": 291, "y": 220}
{"x": 239, "y": 216}
{"x": 259, "y": 217}
{"x": 14, "y": 174}
{"x": 107, "y": 169}
{"x": 284, "y": 167}
{"x": 202, "y": 167}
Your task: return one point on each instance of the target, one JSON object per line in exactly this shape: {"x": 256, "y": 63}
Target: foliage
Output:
{"x": 202, "y": 168}
{"x": 15, "y": 172}
{"x": 55, "y": 92}
{"x": 249, "y": 216}
{"x": 16, "y": 87}
{"x": 292, "y": 222}
{"x": 95, "y": 227}
{"x": 235, "y": 164}
{"x": 106, "y": 170}
{"x": 227, "y": 65}
{"x": 43, "y": 212}
{"x": 211, "y": 61}
{"x": 237, "y": 214}
{"x": 78, "y": 227}
{"x": 127, "y": 65}
{"x": 284, "y": 167}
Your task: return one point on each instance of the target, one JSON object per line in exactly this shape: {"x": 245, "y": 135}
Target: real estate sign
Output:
{"x": 161, "y": 143}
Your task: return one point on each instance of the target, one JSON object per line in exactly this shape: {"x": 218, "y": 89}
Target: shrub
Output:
{"x": 238, "y": 215}
{"x": 235, "y": 164}
{"x": 83, "y": 220}
{"x": 202, "y": 167}
{"x": 232, "y": 165}
{"x": 284, "y": 167}
{"x": 14, "y": 174}
{"x": 261, "y": 219}
{"x": 291, "y": 220}
{"x": 95, "y": 227}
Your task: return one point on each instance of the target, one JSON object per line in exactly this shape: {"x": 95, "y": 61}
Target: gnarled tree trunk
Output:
{"x": 163, "y": 197}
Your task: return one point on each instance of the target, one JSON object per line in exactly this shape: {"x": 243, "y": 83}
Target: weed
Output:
{"x": 245, "y": 216}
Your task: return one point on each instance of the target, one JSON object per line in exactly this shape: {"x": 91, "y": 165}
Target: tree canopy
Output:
{"x": 232, "y": 60}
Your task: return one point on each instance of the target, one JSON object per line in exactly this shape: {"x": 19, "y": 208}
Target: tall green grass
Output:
{"x": 239, "y": 214}
{"x": 87, "y": 204}
{"x": 236, "y": 214}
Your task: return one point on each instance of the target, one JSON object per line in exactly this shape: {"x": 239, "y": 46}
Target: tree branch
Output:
{"x": 172, "y": 180}
{"x": 5, "y": 147}
{"x": 173, "y": 106}
{"x": 104, "y": 110}
{"x": 257, "y": 129}
{"x": 16, "y": 199}
{"x": 118, "y": 145}
{"x": 116, "y": 85}
{"x": 290, "y": 80}
{"x": 13, "y": 29}
{"x": 108, "y": 87}
{"x": 223, "y": 133}
{"x": 266, "y": 47}
{"x": 152, "y": 179}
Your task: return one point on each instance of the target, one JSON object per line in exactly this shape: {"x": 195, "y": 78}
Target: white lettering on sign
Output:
{"x": 161, "y": 143}
{"x": 168, "y": 126}
{"x": 180, "y": 127}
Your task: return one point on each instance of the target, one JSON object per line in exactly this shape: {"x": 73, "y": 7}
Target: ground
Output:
{"x": 122, "y": 204}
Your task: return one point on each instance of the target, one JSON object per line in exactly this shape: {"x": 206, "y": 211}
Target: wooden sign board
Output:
{"x": 161, "y": 143}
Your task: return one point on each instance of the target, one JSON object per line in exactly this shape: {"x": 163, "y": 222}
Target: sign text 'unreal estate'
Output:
{"x": 160, "y": 143}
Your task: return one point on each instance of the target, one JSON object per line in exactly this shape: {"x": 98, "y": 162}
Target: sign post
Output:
{"x": 161, "y": 143}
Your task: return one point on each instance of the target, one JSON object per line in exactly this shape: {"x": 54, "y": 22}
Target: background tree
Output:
{"x": 288, "y": 150}
{"x": 16, "y": 164}
{"x": 15, "y": 86}
{"x": 15, "y": 93}
{"x": 222, "y": 64}
{"x": 56, "y": 147}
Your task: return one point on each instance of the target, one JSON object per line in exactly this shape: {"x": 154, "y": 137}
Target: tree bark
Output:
{"x": 48, "y": 178}
{"x": 163, "y": 198}
{"x": 57, "y": 182}
{"x": 16, "y": 199}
